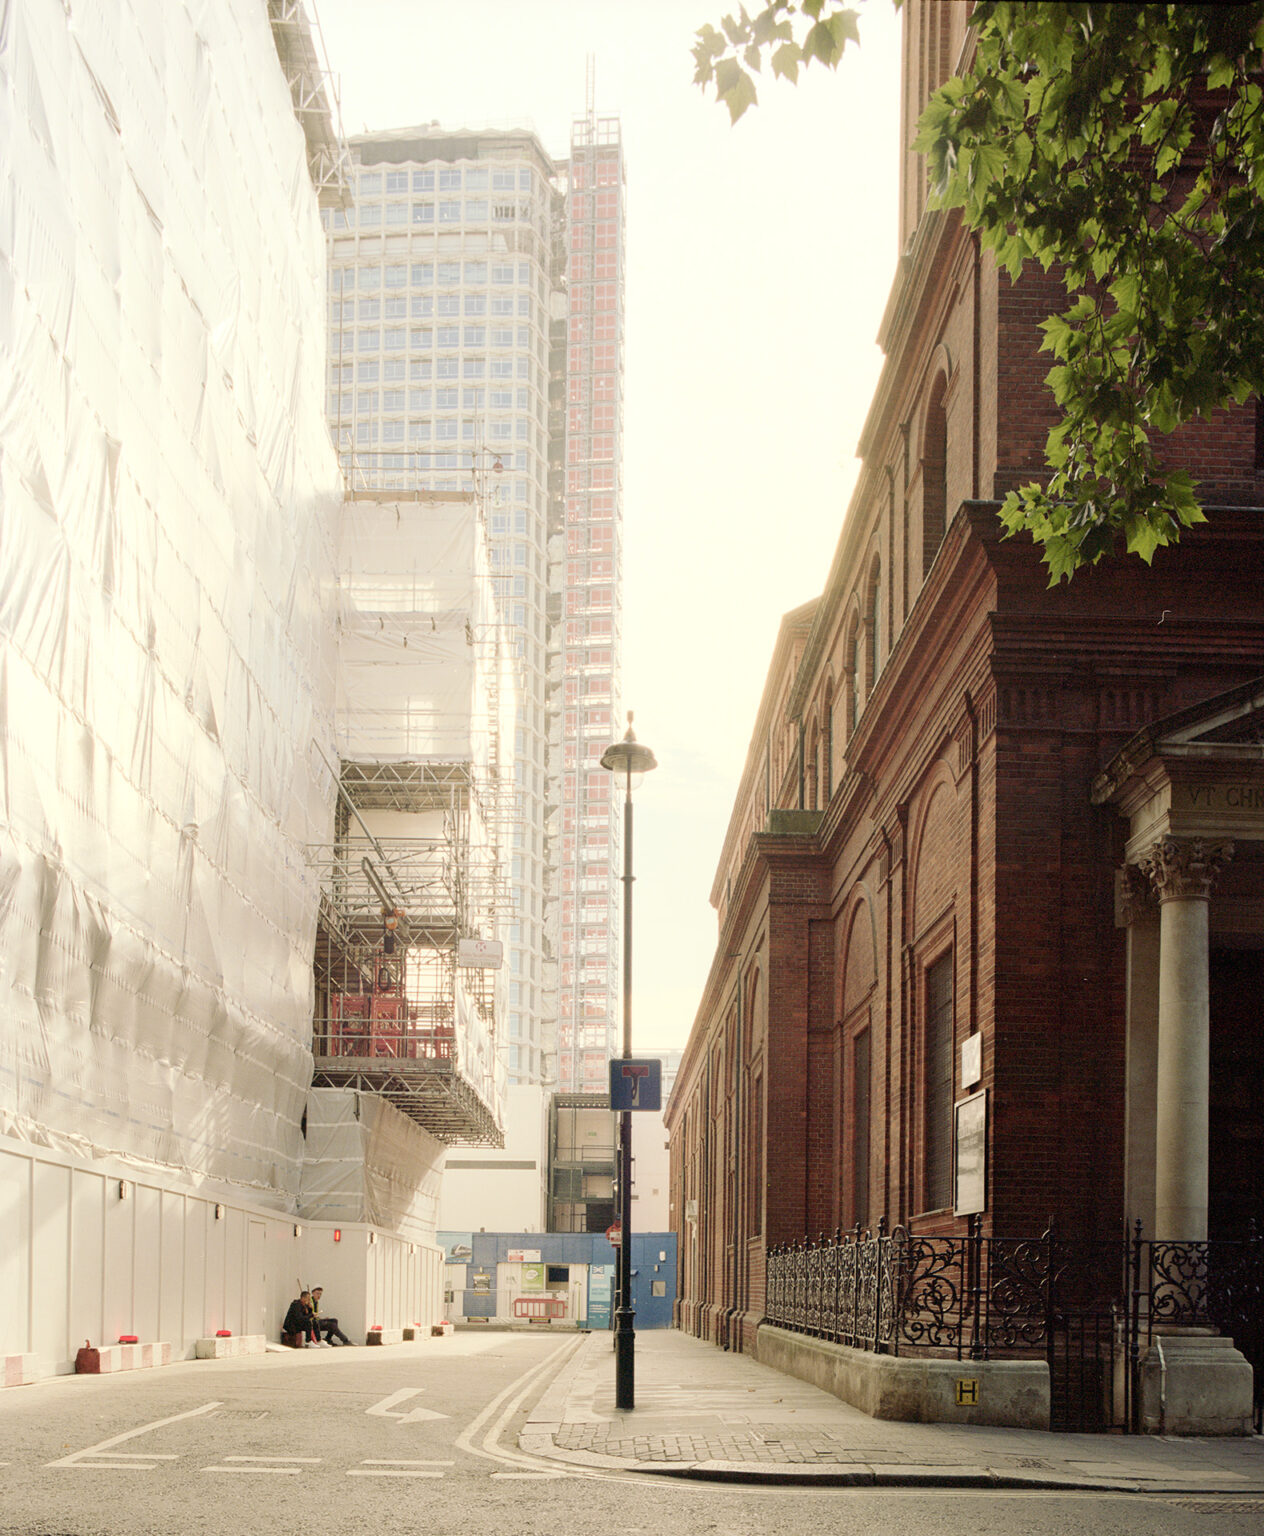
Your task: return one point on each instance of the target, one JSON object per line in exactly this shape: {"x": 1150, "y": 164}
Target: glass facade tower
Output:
{"x": 589, "y": 638}
{"x": 475, "y": 342}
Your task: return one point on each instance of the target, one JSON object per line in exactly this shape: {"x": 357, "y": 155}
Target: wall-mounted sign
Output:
{"x": 970, "y": 1143}
{"x": 533, "y": 1277}
{"x": 600, "y": 1286}
{"x": 522, "y": 1256}
{"x": 971, "y": 1060}
{"x": 483, "y": 954}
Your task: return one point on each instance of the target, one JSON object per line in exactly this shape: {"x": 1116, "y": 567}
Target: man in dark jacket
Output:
{"x": 299, "y": 1327}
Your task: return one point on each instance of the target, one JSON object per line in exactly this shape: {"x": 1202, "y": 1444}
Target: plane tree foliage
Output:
{"x": 1122, "y": 146}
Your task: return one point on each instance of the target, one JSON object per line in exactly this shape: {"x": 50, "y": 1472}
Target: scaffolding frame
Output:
{"x": 314, "y": 96}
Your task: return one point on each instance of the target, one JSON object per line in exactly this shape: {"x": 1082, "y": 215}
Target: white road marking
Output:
{"x": 136, "y": 1455}
{"x": 286, "y": 1466}
{"x": 112, "y": 1466}
{"x": 508, "y": 1402}
{"x": 278, "y": 1471}
{"x": 396, "y": 1462}
{"x": 390, "y": 1472}
{"x": 307, "y": 1461}
{"x": 384, "y": 1409}
{"x": 102, "y": 1448}
{"x": 531, "y": 1477}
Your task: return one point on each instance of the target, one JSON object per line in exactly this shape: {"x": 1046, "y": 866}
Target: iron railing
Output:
{"x": 1079, "y": 1303}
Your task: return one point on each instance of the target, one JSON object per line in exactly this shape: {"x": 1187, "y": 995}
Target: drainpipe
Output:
{"x": 734, "y": 1312}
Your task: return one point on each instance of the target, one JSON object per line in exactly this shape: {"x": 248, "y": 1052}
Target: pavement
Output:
{"x": 704, "y": 1413}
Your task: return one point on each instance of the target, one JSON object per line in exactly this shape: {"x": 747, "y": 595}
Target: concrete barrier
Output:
{"x": 20, "y": 1370}
{"x": 384, "y": 1336}
{"x": 131, "y": 1357}
{"x": 227, "y": 1349}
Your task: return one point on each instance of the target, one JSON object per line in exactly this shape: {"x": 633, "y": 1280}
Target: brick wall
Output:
{"x": 960, "y": 819}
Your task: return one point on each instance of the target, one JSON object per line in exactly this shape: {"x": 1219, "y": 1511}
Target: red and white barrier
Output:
{"x": 227, "y": 1348}
{"x": 20, "y": 1370}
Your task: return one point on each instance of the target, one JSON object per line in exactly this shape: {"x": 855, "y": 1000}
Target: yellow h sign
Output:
{"x": 967, "y": 1391}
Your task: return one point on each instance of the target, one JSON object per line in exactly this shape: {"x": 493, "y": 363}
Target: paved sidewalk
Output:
{"x": 701, "y": 1412}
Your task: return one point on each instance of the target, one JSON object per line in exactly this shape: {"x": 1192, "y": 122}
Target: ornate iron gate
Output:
{"x": 1091, "y": 1309}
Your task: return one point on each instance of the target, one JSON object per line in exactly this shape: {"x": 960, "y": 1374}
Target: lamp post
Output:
{"x": 627, "y": 757}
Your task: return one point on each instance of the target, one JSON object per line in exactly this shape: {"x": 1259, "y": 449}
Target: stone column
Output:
{"x": 1182, "y": 871}
{"x": 1193, "y": 1380}
{"x": 1137, "y": 911}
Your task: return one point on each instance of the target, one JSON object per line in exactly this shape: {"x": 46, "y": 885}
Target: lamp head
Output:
{"x": 629, "y": 755}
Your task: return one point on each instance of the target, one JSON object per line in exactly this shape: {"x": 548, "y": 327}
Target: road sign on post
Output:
{"x": 614, "y": 1234}
{"x": 636, "y": 1084}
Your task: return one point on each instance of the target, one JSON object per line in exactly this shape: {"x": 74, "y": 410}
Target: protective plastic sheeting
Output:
{"x": 367, "y": 1162}
{"x": 424, "y": 666}
{"x": 167, "y": 492}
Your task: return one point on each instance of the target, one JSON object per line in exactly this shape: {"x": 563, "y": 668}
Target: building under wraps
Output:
{"x": 204, "y": 781}
{"x": 414, "y": 883}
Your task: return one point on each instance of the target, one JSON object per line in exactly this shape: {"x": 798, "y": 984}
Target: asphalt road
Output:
{"x": 367, "y": 1440}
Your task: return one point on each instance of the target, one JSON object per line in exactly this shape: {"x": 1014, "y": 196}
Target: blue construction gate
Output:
{"x": 479, "y": 1258}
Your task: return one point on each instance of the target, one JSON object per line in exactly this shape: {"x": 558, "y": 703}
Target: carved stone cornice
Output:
{"x": 1185, "y": 866}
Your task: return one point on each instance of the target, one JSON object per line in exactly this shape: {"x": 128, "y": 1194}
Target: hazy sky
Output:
{"x": 759, "y": 262}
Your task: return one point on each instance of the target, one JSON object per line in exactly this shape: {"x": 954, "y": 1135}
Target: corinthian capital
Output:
{"x": 1185, "y": 866}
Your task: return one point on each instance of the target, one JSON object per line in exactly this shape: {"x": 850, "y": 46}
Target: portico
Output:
{"x": 1192, "y": 790}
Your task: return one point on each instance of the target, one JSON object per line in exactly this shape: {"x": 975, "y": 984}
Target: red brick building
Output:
{"x": 962, "y": 794}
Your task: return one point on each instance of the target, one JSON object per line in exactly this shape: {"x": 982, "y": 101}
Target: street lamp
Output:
{"x": 627, "y": 757}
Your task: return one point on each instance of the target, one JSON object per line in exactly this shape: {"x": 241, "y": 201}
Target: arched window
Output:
{"x": 855, "y": 678}
{"x": 934, "y": 474}
{"x": 873, "y": 622}
{"x": 810, "y": 767}
{"x": 827, "y": 742}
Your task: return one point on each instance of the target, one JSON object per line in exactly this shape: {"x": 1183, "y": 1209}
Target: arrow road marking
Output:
{"x": 385, "y": 1409}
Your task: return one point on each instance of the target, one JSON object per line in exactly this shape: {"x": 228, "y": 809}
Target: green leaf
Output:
{"x": 785, "y": 62}
{"x": 820, "y": 44}
{"x": 739, "y": 96}
{"x": 843, "y": 26}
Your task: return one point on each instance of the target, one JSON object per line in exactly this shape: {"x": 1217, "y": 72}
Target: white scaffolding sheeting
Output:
{"x": 424, "y": 667}
{"x": 167, "y": 493}
{"x": 367, "y": 1162}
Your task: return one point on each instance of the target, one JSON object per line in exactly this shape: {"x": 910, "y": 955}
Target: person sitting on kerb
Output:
{"x": 300, "y": 1322}
{"x": 328, "y": 1326}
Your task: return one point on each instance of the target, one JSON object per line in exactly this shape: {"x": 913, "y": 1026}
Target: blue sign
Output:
{"x": 600, "y": 1285}
{"x": 636, "y": 1084}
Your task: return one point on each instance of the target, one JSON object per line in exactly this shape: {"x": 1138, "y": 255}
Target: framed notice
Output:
{"x": 970, "y": 1146}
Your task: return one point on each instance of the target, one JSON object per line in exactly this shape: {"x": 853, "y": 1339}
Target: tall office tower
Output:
{"x": 589, "y": 632}
{"x": 442, "y": 281}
